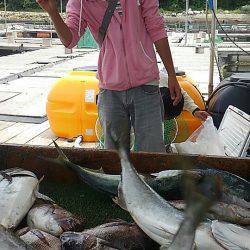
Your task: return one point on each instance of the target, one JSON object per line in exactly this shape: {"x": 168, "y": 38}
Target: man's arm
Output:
{"x": 163, "y": 49}
{"x": 156, "y": 28}
{"x": 62, "y": 29}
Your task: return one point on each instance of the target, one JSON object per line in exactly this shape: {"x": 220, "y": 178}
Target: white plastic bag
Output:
{"x": 204, "y": 141}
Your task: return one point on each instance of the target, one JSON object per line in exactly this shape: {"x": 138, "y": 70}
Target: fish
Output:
{"x": 222, "y": 211}
{"x": 233, "y": 185}
{"x": 153, "y": 214}
{"x": 9, "y": 241}
{"x": 199, "y": 199}
{"x": 231, "y": 236}
{"x": 166, "y": 183}
{"x": 113, "y": 235}
{"x": 18, "y": 192}
{"x": 38, "y": 239}
{"x": 53, "y": 219}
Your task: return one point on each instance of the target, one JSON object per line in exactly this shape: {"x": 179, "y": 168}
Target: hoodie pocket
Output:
{"x": 145, "y": 54}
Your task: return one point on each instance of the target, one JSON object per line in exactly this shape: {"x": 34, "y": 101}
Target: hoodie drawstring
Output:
{"x": 80, "y": 20}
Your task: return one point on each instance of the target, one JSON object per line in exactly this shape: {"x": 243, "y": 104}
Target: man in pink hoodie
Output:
{"x": 127, "y": 67}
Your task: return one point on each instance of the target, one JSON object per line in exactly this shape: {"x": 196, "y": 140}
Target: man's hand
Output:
{"x": 62, "y": 30}
{"x": 203, "y": 115}
{"x": 50, "y": 6}
{"x": 174, "y": 89}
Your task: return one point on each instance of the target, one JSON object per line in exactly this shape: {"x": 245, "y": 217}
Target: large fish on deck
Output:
{"x": 18, "y": 192}
{"x": 222, "y": 211}
{"x": 114, "y": 235}
{"x": 53, "y": 219}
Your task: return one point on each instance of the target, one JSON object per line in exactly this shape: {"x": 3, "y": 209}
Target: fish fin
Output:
{"x": 120, "y": 199}
{"x": 40, "y": 236}
{"x": 120, "y": 203}
{"x": 37, "y": 186}
{"x": 118, "y": 221}
{"x": 100, "y": 243}
{"x": 224, "y": 233}
{"x": 43, "y": 197}
{"x": 163, "y": 248}
{"x": 232, "y": 199}
{"x": 121, "y": 141}
{"x": 62, "y": 157}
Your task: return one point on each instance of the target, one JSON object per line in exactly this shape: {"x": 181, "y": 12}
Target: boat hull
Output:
{"x": 28, "y": 157}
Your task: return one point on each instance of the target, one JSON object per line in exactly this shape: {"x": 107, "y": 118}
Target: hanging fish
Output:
{"x": 154, "y": 215}
{"x": 199, "y": 199}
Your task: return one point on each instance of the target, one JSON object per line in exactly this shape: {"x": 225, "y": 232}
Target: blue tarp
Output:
{"x": 211, "y": 4}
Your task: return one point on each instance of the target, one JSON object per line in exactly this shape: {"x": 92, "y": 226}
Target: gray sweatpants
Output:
{"x": 139, "y": 107}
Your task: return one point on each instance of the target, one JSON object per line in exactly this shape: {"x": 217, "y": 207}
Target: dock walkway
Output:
{"x": 27, "y": 78}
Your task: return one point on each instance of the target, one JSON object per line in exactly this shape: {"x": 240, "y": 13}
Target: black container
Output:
{"x": 234, "y": 91}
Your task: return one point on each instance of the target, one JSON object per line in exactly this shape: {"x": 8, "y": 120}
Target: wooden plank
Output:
{"x": 86, "y": 145}
{"x": 4, "y": 124}
{"x": 90, "y": 145}
{"x": 62, "y": 142}
{"x": 44, "y": 139}
{"x": 30, "y": 134}
{"x": 10, "y": 132}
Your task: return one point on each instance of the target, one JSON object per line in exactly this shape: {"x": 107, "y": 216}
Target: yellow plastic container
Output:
{"x": 72, "y": 109}
{"x": 187, "y": 123}
{"x": 71, "y": 106}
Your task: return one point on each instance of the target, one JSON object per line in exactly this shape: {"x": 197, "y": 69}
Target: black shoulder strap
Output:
{"x": 106, "y": 20}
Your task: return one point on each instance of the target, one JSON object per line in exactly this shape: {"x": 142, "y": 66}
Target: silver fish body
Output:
{"x": 53, "y": 219}
{"x": 17, "y": 195}
{"x": 9, "y": 241}
{"x": 38, "y": 239}
{"x": 230, "y": 236}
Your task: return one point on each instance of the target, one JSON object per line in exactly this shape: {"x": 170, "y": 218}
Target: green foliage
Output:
{"x": 245, "y": 9}
{"x": 178, "y": 5}
{"x": 25, "y": 5}
{"x": 171, "y": 5}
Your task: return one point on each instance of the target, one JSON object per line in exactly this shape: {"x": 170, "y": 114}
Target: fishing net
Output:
{"x": 170, "y": 131}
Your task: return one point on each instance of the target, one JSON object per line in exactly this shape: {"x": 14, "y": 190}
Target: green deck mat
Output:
{"x": 96, "y": 207}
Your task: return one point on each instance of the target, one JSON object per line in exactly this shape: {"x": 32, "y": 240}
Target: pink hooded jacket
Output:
{"x": 127, "y": 57}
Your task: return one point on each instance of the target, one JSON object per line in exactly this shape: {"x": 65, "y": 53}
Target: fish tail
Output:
{"x": 121, "y": 142}
{"x": 62, "y": 159}
{"x": 61, "y": 156}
